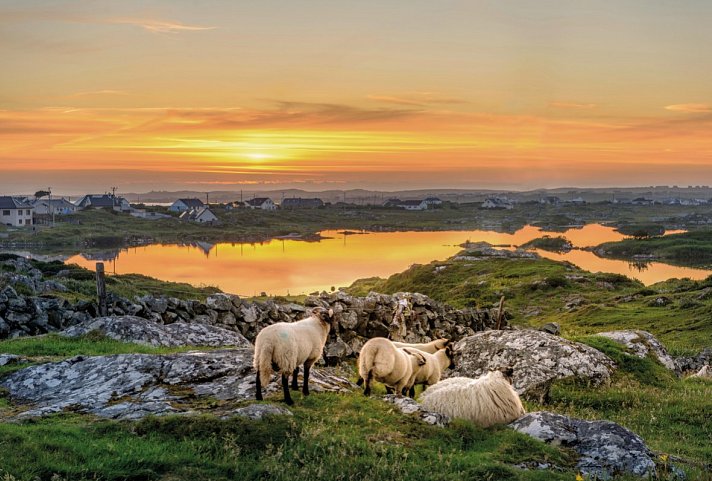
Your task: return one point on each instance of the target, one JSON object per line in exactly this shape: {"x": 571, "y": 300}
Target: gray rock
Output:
{"x": 143, "y": 331}
{"x": 694, "y": 363}
{"x": 552, "y": 328}
{"x": 606, "y": 448}
{"x": 642, "y": 343}
{"x": 407, "y": 405}
{"x": 258, "y": 411}
{"x": 6, "y": 359}
{"x": 219, "y": 302}
{"x": 129, "y": 386}
{"x": 537, "y": 358}
{"x": 705, "y": 372}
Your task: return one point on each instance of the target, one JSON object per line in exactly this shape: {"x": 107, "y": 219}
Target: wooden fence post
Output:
{"x": 101, "y": 289}
{"x": 500, "y": 314}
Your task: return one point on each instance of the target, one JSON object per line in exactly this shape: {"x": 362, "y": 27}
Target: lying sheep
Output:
{"x": 432, "y": 347}
{"x": 283, "y": 346}
{"x": 435, "y": 364}
{"x": 381, "y": 360}
{"x": 486, "y": 401}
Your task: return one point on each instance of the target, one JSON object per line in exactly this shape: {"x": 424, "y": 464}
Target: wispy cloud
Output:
{"x": 99, "y": 92}
{"x": 158, "y": 26}
{"x": 420, "y": 99}
{"x": 692, "y": 108}
{"x": 571, "y": 105}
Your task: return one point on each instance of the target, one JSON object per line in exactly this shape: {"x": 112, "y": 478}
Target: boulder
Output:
{"x": 694, "y": 363}
{"x": 552, "y": 328}
{"x": 407, "y": 405}
{"x": 7, "y": 359}
{"x": 130, "y": 386}
{"x": 705, "y": 372}
{"x": 143, "y": 331}
{"x": 219, "y": 302}
{"x": 642, "y": 343}
{"x": 537, "y": 358}
{"x": 606, "y": 448}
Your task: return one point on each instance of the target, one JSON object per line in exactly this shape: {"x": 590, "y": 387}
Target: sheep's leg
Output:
{"x": 295, "y": 386}
{"x": 360, "y": 381}
{"x": 258, "y": 387}
{"x": 285, "y": 388}
{"x": 389, "y": 390}
{"x": 411, "y": 392}
{"x": 305, "y": 386}
{"x": 367, "y": 389}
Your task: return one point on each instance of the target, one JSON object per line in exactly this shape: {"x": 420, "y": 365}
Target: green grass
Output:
{"x": 54, "y": 345}
{"x": 687, "y": 249}
{"x": 537, "y": 291}
{"x": 670, "y": 414}
{"x": 330, "y": 437}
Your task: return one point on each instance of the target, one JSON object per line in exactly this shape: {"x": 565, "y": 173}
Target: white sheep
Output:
{"x": 380, "y": 360}
{"x": 435, "y": 364}
{"x": 284, "y": 346}
{"x": 486, "y": 401}
{"x": 432, "y": 347}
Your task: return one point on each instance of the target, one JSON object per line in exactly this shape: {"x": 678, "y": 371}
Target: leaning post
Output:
{"x": 101, "y": 289}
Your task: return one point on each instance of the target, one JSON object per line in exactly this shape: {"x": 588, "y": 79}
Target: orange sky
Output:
{"x": 511, "y": 94}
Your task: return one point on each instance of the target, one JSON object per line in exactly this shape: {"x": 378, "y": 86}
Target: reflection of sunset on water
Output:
{"x": 296, "y": 267}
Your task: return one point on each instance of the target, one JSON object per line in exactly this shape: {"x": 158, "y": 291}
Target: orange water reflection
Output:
{"x": 295, "y": 267}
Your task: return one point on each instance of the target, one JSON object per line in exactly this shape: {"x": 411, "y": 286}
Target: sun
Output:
{"x": 257, "y": 156}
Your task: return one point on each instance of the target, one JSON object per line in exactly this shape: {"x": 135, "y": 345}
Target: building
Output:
{"x": 413, "y": 205}
{"x": 392, "y": 202}
{"x": 234, "y": 205}
{"x": 300, "y": 203}
{"x": 103, "y": 201}
{"x": 182, "y": 205}
{"x": 432, "y": 201}
{"x": 202, "y": 216}
{"x": 550, "y": 200}
{"x": 264, "y": 203}
{"x": 642, "y": 201}
{"x": 55, "y": 206}
{"x": 15, "y": 212}
{"x": 497, "y": 203}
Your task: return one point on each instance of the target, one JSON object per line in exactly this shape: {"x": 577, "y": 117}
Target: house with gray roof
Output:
{"x": 15, "y": 212}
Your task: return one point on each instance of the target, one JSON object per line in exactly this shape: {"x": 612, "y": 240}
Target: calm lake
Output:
{"x": 283, "y": 266}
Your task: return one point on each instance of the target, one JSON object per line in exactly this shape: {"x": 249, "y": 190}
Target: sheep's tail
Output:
{"x": 263, "y": 363}
{"x": 376, "y": 362}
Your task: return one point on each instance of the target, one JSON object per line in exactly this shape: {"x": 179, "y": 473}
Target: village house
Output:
{"x": 300, "y": 203}
{"x": 413, "y": 205}
{"x": 15, "y": 212}
{"x": 182, "y": 205}
{"x": 55, "y": 206}
{"x": 497, "y": 203}
{"x": 263, "y": 203}
{"x": 392, "y": 202}
{"x": 550, "y": 200}
{"x": 642, "y": 201}
{"x": 103, "y": 201}
{"x": 234, "y": 205}
{"x": 202, "y": 216}
{"x": 432, "y": 201}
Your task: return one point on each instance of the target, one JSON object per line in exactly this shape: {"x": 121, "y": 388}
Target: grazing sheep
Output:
{"x": 283, "y": 346}
{"x": 435, "y": 364}
{"x": 381, "y": 360}
{"x": 486, "y": 401}
{"x": 432, "y": 347}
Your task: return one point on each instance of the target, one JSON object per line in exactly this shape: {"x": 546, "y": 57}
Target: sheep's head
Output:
{"x": 442, "y": 343}
{"x": 507, "y": 373}
{"x": 324, "y": 315}
{"x": 450, "y": 355}
{"x": 417, "y": 355}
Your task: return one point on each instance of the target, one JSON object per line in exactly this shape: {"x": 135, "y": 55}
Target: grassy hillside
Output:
{"x": 688, "y": 249}
{"x": 538, "y": 291}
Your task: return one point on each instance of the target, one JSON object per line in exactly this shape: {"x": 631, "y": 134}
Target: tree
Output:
{"x": 41, "y": 193}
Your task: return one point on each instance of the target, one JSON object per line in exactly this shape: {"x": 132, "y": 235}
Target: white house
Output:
{"x": 264, "y": 203}
{"x": 497, "y": 203}
{"x": 432, "y": 201}
{"x": 55, "y": 206}
{"x": 413, "y": 205}
{"x": 182, "y": 205}
{"x": 15, "y": 212}
{"x": 203, "y": 216}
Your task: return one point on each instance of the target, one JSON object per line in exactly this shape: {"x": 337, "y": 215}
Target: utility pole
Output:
{"x": 49, "y": 189}
{"x": 207, "y": 199}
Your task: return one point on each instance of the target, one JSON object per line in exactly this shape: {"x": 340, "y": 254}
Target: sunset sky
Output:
{"x": 220, "y": 95}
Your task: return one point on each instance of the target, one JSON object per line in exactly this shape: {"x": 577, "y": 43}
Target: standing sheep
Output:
{"x": 432, "y": 347}
{"x": 486, "y": 401}
{"x": 283, "y": 346}
{"x": 379, "y": 359}
{"x": 435, "y": 364}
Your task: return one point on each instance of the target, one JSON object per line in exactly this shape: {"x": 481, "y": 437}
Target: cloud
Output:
{"x": 99, "y": 92}
{"x": 692, "y": 108}
{"x": 158, "y": 26}
{"x": 571, "y": 105}
{"x": 420, "y": 99}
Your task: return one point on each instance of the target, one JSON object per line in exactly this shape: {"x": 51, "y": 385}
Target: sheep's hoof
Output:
{"x": 305, "y": 393}
{"x": 258, "y": 396}
{"x": 289, "y": 402}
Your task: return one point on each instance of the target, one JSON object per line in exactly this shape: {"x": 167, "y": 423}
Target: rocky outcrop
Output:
{"x": 142, "y": 331}
{"x": 537, "y": 358}
{"x": 258, "y": 411}
{"x": 409, "y": 406}
{"x": 642, "y": 344}
{"x": 606, "y": 448}
{"x": 694, "y": 363}
{"x": 705, "y": 372}
{"x": 130, "y": 386}
{"x": 9, "y": 359}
